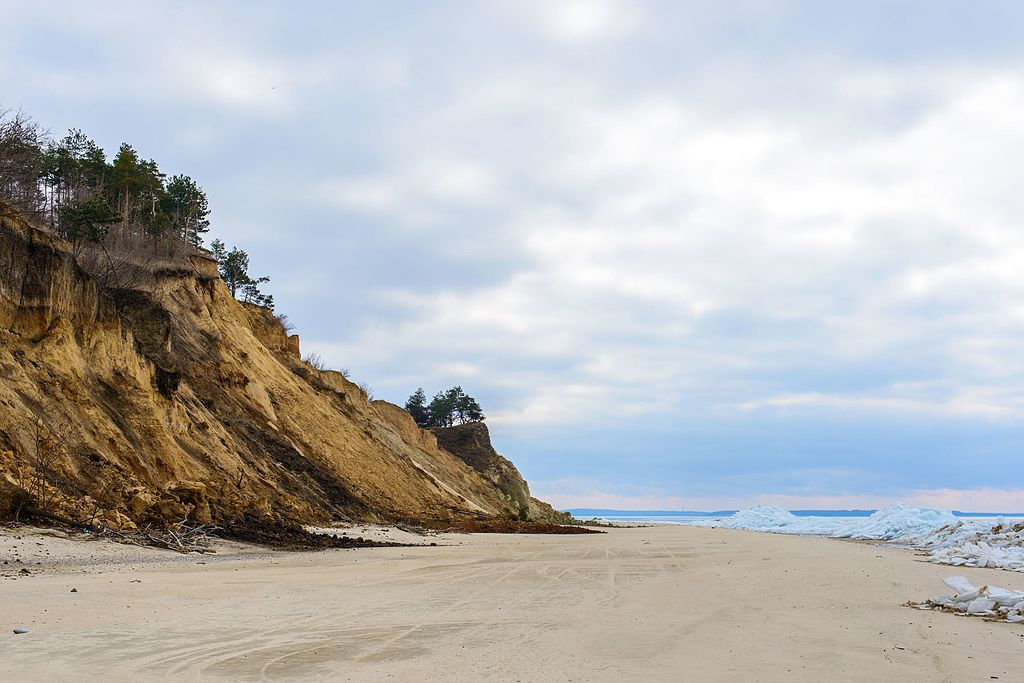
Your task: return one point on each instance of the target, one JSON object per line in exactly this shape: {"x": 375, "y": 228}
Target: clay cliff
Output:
{"x": 168, "y": 400}
{"x": 471, "y": 442}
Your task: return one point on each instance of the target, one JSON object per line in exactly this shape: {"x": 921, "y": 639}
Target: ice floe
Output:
{"x": 980, "y": 601}
{"x": 975, "y": 543}
{"x": 889, "y": 523}
{"x": 896, "y": 521}
{"x": 773, "y": 520}
{"x": 947, "y": 539}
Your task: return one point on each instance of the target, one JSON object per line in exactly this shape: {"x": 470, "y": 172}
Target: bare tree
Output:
{"x": 21, "y": 146}
{"x": 48, "y": 445}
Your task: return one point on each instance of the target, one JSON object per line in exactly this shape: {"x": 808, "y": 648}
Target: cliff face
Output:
{"x": 471, "y": 443}
{"x": 169, "y": 400}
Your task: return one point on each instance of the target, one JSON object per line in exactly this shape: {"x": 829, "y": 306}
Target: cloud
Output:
{"x": 651, "y": 220}
{"x": 581, "y": 22}
{"x": 416, "y": 193}
{"x": 686, "y": 221}
{"x": 966, "y": 402}
{"x": 571, "y": 494}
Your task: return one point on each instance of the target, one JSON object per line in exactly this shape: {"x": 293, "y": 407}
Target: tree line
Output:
{"x": 114, "y": 211}
{"x": 446, "y": 409}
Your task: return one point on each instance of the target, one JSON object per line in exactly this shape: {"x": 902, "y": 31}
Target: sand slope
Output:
{"x": 668, "y": 603}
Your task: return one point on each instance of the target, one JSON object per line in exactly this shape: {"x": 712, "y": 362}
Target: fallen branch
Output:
{"x": 182, "y": 538}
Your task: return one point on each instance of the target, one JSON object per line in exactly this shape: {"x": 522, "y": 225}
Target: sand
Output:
{"x": 661, "y": 603}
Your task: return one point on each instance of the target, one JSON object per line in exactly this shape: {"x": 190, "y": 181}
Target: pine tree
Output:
{"x": 127, "y": 181}
{"x": 189, "y": 209}
{"x": 417, "y": 407}
{"x": 234, "y": 270}
{"x": 441, "y": 411}
{"x": 86, "y": 221}
{"x": 452, "y": 407}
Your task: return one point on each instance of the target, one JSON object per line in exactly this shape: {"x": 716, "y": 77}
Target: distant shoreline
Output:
{"x": 584, "y": 513}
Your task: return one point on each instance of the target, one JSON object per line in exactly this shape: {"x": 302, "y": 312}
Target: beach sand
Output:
{"x": 658, "y": 603}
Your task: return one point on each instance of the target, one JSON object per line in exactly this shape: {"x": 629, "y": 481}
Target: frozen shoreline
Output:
{"x": 972, "y": 542}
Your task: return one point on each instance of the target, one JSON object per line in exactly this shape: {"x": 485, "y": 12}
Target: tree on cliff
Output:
{"x": 187, "y": 205}
{"x": 119, "y": 215}
{"x": 86, "y": 221}
{"x": 417, "y": 407}
{"x": 73, "y": 170}
{"x": 42, "y": 177}
{"x": 447, "y": 408}
{"x": 466, "y": 407}
{"x": 21, "y": 144}
{"x": 234, "y": 270}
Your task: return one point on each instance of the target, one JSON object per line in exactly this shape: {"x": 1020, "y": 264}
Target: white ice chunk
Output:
{"x": 959, "y": 584}
{"x": 980, "y": 605}
{"x": 991, "y": 601}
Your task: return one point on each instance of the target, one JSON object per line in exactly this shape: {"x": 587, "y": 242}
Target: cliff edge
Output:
{"x": 471, "y": 442}
{"x": 168, "y": 400}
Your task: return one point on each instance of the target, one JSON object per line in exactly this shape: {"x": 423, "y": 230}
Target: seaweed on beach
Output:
{"x": 287, "y": 535}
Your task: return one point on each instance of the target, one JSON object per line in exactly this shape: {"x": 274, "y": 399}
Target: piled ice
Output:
{"x": 976, "y": 543}
{"x": 947, "y": 539}
{"x": 985, "y": 601}
{"x": 897, "y": 521}
{"x": 773, "y": 520}
{"x": 892, "y": 522}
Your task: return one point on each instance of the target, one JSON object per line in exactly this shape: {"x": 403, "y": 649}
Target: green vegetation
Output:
{"x": 234, "y": 270}
{"x": 447, "y": 408}
{"x": 117, "y": 214}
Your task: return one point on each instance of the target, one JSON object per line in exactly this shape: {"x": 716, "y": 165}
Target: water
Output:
{"x": 825, "y": 516}
{"x": 656, "y": 519}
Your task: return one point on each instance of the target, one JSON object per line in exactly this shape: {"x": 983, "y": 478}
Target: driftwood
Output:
{"x": 181, "y": 538}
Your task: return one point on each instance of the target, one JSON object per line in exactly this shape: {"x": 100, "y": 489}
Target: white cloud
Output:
{"x": 197, "y": 58}
{"x": 970, "y": 402}
{"x": 580, "y": 22}
{"x": 415, "y": 194}
{"x": 646, "y": 217}
{"x": 238, "y": 80}
{"x": 580, "y": 493}
{"x": 620, "y": 205}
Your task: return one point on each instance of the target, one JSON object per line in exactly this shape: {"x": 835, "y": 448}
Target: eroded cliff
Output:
{"x": 471, "y": 442}
{"x": 169, "y": 400}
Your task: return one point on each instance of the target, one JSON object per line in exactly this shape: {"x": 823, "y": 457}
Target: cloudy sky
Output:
{"x": 684, "y": 255}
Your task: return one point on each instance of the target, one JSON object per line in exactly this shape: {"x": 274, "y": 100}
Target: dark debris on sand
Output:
{"x": 284, "y": 535}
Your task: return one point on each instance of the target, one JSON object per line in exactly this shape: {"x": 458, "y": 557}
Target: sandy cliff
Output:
{"x": 471, "y": 442}
{"x": 169, "y": 400}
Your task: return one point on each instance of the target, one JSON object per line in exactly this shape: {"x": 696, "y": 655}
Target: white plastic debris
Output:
{"x": 992, "y": 602}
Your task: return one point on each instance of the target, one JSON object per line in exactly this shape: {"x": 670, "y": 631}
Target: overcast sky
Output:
{"x": 683, "y": 254}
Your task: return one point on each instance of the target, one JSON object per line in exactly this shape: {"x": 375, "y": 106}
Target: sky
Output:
{"x": 685, "y": 254}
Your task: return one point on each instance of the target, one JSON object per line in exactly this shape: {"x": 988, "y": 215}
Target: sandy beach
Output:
{"x": 655, "y": 603}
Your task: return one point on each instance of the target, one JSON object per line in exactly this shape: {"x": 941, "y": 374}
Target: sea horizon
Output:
{"x": 611, "y": 512}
